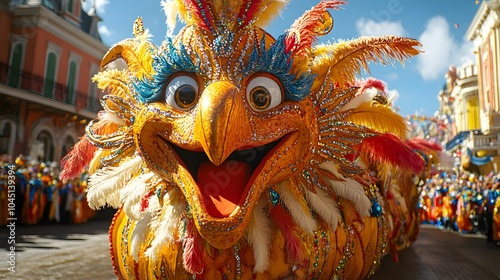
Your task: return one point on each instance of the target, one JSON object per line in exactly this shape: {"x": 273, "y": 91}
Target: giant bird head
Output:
{"x": 223, "y": 120}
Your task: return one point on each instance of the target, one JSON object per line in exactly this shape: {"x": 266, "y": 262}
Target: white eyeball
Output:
{"x": 182, "y": 92}
{"x": 264, "y": 93}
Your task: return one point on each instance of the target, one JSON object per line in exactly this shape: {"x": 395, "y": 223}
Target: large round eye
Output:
{"x": 264, "y": 93}
{"x": 182, "y": 92}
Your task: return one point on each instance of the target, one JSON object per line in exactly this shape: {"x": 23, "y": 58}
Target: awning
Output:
{"x": 458, "y": 139}
{"x": 478, "y": 160}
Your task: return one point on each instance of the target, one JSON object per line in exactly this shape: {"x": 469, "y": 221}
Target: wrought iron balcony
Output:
{"x": 36, "y": 84}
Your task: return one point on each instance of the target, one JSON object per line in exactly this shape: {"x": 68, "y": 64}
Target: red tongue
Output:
{"x": 222, "y": 186}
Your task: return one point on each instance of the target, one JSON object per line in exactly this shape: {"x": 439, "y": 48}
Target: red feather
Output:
{"x": 425, "y": 144}
{"x": 247, "y": 11}
{"x": 192, "y": 255}
{"x": 199, "y": 8}
{"x": 305, "y": 27}
{"x": 285, "y": 222}
{"x": 80, "y": 156}
{"x": 389, "y": 148}
{"x": 371, "y": 83}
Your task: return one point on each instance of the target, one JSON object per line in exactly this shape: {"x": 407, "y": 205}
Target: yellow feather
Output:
{"x": 380, "y": 118}
{"x": 270, "y": 9}
{"x": 345, "y": 59}
{"x": 95, "y": 163}
{"x": 136, "y": 53}
{"x": 113, "y": 81}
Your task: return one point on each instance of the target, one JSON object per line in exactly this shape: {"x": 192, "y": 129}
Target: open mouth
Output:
{"x": 225, "y": 186}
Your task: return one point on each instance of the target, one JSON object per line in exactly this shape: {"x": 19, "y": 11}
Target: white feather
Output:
{"x": 166, "y": 223}
{"x": 349, "y": 189}
{"x": 324, "y": 206}
{"x": 366, "y": 96}
{"x": 139, "y": 234}
{"x": 107, "y": 116}
{"x": 104, "y": 184}
{"x": 171, "y": 12}
{"x": 259, "y": 236}
{"x": 305, "y": 221}
{"x": 131, "y": 195}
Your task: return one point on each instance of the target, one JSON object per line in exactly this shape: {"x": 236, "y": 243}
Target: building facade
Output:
{"x": 49, "y": 50}
{"x": 484, "y": 32}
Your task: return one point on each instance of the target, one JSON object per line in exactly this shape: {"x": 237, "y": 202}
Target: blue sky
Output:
{"x": 440, "y": 25}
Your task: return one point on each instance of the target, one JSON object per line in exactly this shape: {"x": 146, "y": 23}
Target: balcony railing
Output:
{"x": 36, "y": 84}
{"x": 484, "y": 142}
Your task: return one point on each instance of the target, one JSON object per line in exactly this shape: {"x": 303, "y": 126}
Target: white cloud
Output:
{"x": 104, "y": 30}
{"x": 441, "y": 50}
{"x": 369, "y": 27}
{"x": 100, "y": 5}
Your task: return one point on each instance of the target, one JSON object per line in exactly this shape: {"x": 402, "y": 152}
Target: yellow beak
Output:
{"x": 221, "y": 124}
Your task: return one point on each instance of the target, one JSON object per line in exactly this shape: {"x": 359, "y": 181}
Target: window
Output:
{"x": 50, "y": 75}
{"x": 71, "y": 83}
{"x": 473, "y": 121}
{"x": 43, "y": 149}
{"x": 5, "y": 137}
{"x": 93, "y": 102}
{"x": 71, "y": 6}
{"x": 16, "y": 65}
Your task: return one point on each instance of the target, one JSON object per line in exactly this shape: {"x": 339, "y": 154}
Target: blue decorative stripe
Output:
{"x": 275, "y": 61}
{"x": 165, "y": 63}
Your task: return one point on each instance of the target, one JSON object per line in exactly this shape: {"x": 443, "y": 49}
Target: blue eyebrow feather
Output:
{"x": 166, "y": 62}
{"x": 278, "y": 63}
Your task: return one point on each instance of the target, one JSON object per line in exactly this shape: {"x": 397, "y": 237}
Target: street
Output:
{"x": 81, "y": 252}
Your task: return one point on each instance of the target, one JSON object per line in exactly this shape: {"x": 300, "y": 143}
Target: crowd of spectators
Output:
{"x": 464, "y": 202}
{"x": 39, "y": 196}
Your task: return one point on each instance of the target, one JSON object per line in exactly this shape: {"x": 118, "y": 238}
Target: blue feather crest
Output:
{"x": 166, "y": 62}
{"x": 277, "y": 62}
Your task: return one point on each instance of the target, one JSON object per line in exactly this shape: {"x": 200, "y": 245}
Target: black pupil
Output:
{"x": 186, "y": 95}
{"x": 260, "y": 98}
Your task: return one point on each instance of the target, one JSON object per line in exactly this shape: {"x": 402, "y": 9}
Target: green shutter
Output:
{"x": 50, "y": 74}
{"x": 15, "y": 70}
{"x": 71, "y": 82}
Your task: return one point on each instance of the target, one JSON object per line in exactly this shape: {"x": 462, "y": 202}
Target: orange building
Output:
{"x": 49, "y": 50}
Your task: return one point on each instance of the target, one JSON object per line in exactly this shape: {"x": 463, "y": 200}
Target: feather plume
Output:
{"x": 192, "y": 245}
{"x": 301, "y": 217}
{"x": 103, "y": 186}
{"x": 139, "y": 235}
{"x": 304, "y": 30}
{"x": 371, "y": 83}
{"x": 323, "y": 204}
{"x": 259, "y": 236}
{"x": 199, "y": 14}
{"x": 139, "y": 59}
{"x": 388, "y": 148}
{"x": 268, "y": 11}
{"x": 285, "y": 223}
{"x": 345, "y": 59}
{"x": 165, "y": 224}
{"x": 172, "y": 9}
{"x": 247, "y": 11}
{"x": 77, "y": 159}
{"x": 95, "y": 163}
{"x": 109, "y": 117}
{"x": 380, "y": 118}
{"x": 133, "y": 192}
{"x": 423, "y": 144}
{"x": 358, "y": 100}
{"x": 349, "y": 189}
